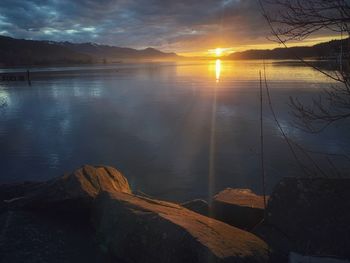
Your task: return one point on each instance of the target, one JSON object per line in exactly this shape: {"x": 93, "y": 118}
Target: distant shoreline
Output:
{"x": 34, "y": 53}
{"x": 46, "y": 69}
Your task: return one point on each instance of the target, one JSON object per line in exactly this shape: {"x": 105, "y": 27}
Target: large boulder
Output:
{"x": 50, "y": 221}
{"x": 238, "y": 207}
{"x": 73, "y": 192}
{"x": 311, "y": 215}
{"x": 139, "y": 229}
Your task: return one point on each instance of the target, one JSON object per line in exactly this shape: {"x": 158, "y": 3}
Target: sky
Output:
{"x": 187, "y": 27}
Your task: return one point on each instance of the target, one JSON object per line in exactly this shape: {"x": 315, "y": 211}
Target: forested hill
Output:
{"x": 320, "y": 51}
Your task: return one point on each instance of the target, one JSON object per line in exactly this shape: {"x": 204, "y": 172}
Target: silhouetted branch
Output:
{"x": 296, "y": 20}
{"x": 285, "y": 137}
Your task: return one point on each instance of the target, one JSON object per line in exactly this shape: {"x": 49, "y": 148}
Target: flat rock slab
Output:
{"x": 139, "y": 229}
{"x": 238, "y": 207}
{"x": 240, "y": 197}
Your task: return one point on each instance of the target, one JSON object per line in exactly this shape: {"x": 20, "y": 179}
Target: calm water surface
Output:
{"x": 176, "y": 130}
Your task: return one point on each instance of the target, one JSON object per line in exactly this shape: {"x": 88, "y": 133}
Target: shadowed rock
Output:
{"x": 238, "y": 207}
{"x": 139, "y": 229}
{"x": 50, "y": 221}
{"x": 197, "y": 205}
{"x": 16, "y": 190}
{"x": 311, "y": 215}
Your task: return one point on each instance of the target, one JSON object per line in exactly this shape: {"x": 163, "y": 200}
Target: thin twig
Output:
{"x": 305, "y": 169}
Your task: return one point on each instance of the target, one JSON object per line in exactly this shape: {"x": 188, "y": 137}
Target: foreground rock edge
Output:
{"x": 175, "y": 233}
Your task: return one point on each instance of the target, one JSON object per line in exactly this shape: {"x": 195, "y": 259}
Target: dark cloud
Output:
{"x": 167, "y": 24}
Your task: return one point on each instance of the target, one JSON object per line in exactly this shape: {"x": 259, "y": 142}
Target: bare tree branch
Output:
{"x": 298, "y": 19}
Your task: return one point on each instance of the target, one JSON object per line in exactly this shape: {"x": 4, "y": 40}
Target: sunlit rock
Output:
{"x": 139, "y": 229}
{"x": 74, "y": 191}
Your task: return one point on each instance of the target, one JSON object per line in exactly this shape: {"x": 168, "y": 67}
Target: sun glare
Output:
{"x": 218, "y": 52}
{"x": 218, "y": 69}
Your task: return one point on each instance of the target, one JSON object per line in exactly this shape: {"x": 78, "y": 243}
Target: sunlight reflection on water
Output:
{"x": 218, "y": 69}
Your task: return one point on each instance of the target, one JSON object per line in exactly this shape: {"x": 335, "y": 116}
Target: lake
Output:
{"x": 176, "y": 130}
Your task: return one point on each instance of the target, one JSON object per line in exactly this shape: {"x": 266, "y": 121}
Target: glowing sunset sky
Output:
{"x": 188, "y": 27}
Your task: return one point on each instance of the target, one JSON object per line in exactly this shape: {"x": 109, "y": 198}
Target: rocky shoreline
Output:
{"x": 92, "y": 215}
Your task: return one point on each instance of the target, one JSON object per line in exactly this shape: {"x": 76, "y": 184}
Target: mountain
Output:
{"x": 16, "y": 52}
{"x": 325, "y": 50}
{"x": 112, "y": 53}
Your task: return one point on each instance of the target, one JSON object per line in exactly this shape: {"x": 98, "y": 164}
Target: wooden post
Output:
{"x": 262, "y": 145}
{"x": 28, "y": 78}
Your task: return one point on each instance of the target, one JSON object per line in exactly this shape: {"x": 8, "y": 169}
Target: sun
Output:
{"x": 218, "y": 52}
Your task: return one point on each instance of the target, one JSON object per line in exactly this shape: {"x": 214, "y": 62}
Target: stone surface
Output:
{"x": 199, "y": 206}
{"x": 313, "y": 214}
{"x": 238, "y": 207}
{"x": 279, "y": 244}
{"x": 73, "y": 192}
{"x": 138, "y": 229}
{"x": 240, "y": 197}
{"x": 51, "y": 221}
